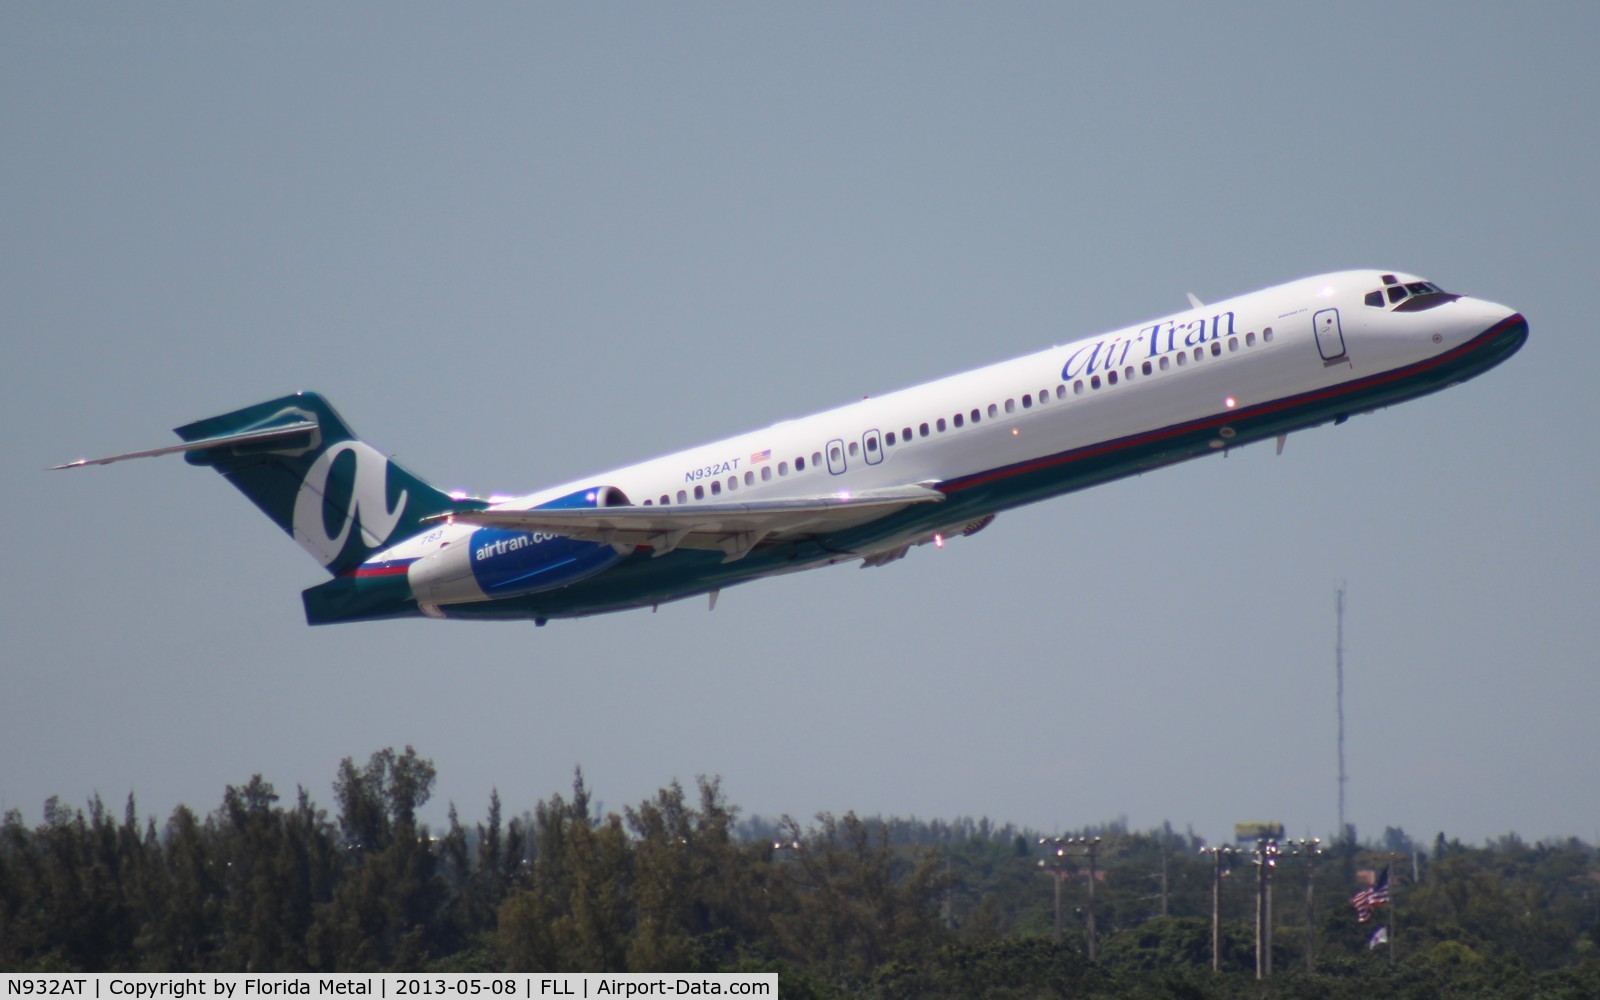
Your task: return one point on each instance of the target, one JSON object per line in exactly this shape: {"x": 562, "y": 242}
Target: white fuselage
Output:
{"x": 1270, "y": 354}
{"x": 1238, "y": 356}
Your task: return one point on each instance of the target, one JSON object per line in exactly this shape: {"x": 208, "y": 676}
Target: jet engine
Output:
{"x": 494, "y": 562}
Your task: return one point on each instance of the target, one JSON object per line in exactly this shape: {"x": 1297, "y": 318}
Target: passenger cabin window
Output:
{"x": 888, "y": 439}
{"x": 799, "y": 464}
{"x": 958, "y": 420}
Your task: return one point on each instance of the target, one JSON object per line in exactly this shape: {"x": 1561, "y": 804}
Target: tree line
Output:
{"x": 838, "y": 906}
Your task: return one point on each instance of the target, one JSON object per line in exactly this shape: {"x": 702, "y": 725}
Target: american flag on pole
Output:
{"x": 1366, "y": 899}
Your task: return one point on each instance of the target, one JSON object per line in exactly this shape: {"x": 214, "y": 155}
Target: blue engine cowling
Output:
{"x": 492, "y": 563}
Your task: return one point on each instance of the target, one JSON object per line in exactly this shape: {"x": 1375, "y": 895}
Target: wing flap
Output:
{"x": 734, "y": 529}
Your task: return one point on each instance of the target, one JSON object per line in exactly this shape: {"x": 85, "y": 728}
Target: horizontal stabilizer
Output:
{"x": 301, "y": 427}
{"x": 731, "y": 528}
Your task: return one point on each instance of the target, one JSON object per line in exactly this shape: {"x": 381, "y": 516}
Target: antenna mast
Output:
{"x": 1338, "y": 662}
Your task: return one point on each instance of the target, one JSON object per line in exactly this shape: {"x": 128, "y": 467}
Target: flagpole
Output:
{"x": 1393, "y": 906}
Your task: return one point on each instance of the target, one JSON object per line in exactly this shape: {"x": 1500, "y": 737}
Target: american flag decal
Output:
{"x": 757, "y": 457}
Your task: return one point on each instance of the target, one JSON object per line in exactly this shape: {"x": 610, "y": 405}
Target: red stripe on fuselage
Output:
{"x": 385, "y": 569}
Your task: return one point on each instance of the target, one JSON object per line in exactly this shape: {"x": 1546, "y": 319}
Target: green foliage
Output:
{"x": 839, "y": 907}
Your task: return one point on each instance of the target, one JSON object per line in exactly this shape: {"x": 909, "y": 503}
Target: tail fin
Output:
{"x": 336, "y": 495}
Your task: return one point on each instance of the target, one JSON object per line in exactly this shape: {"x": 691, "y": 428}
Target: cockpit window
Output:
{"x": 1413, "y": 296}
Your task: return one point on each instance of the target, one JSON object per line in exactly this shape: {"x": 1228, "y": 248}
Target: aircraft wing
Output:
{"x": 731, "y": 528}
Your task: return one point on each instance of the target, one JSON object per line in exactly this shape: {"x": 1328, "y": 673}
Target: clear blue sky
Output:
{"x": 516, "y": 244}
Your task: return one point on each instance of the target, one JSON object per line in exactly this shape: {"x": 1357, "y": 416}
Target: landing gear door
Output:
{"x": 1330, "y": 338}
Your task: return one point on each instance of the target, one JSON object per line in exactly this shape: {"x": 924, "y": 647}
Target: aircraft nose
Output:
{"x": 1476, "y": 317}
{"x": 1496, "y": 331}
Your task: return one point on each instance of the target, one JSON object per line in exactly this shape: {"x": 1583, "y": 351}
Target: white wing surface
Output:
{"x": 731, "y": 528}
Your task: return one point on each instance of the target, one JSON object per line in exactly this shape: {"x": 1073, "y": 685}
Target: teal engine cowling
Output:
{"x": 492, "y": 563}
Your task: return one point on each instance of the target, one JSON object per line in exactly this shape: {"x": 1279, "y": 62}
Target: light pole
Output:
{"x": 1060, "y": 867}
{"x": 1310, "y": 850}
{"x": 1266, "y": 859}
{"x": 1219, "y": 855}
{"x": 1057, "y": 867}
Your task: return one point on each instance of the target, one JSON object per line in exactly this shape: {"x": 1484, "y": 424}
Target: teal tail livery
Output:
{"x": 866, "y": 482}
{"x": 339, "y": 497}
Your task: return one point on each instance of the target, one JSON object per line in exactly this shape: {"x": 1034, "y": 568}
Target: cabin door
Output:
{"x": 1330, "y": 339}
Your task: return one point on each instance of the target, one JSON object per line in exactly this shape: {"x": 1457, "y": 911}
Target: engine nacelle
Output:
{"x": 494, "y": 562}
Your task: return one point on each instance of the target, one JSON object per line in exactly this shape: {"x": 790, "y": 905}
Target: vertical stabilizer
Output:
{"x": 338, "y": 496}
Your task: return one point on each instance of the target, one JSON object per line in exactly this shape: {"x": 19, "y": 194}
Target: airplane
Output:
{"x": 865, "y": 482}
